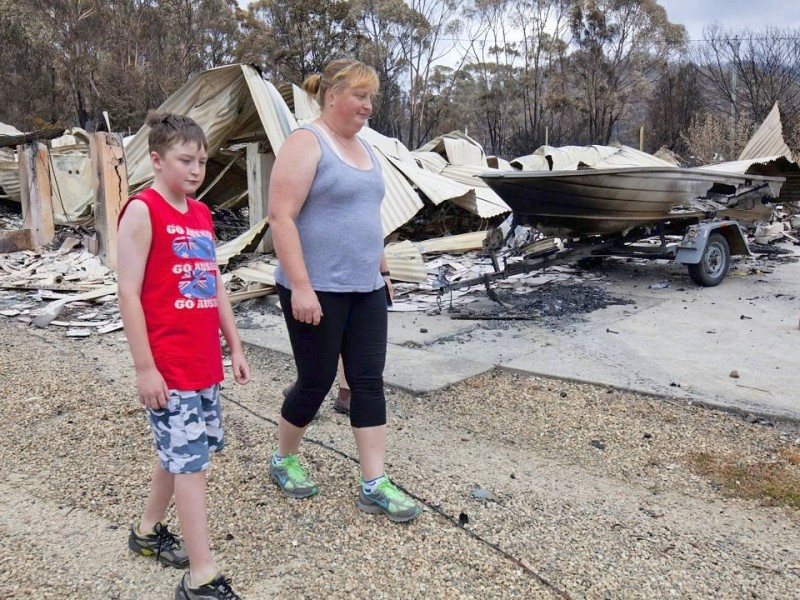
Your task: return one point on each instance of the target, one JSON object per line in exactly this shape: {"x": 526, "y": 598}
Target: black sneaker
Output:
{"x": 163, "y": 545}
{"x": 218, "y": 589}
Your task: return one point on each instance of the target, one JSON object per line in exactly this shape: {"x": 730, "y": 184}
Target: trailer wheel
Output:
{"x": 714, "y": 264}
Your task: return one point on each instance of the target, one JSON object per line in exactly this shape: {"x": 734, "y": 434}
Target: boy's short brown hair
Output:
{"x": 168, "y": 129}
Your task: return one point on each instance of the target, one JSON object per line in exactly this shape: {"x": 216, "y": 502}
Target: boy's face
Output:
{"x": 181, "y": 168}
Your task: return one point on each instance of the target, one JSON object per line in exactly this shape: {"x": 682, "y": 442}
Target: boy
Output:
{"x": 173, "y": 305}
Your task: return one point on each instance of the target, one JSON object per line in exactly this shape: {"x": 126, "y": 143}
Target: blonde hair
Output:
{"x": 339, "y": 75}
{"x": 168, "y": 129}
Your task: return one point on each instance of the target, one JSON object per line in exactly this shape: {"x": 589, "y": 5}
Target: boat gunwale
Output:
{"x": 677, "y": 172}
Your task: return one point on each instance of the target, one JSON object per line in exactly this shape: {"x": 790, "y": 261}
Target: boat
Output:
{"x": 617, "y": 200}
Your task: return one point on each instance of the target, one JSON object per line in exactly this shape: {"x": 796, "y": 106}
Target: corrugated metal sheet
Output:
{"x": 391, "y": 147}
{"x": 9, "y": 179}
{"x": 400, "y": 202}
{"x": 433, "y": 162}
{"x": 405, "y": 262}
{"x": 768, "y": 139}
{"x": 262, "y": 272}
{"x": 234, "y": 99}
{"x": 438, "y": 189}
{"x": 463, "y": 242}
{"x": 72, "y": 182}
{"x": 625, "y": 156}
{"x": 458, "y": 148}
{"x": 668, "y": 155}
{"x": 485, "y": 203}
{"x": 6, "y": 129}
{"x": 304, "y": 105}
{"x": 464, "y": 153}
{"x": 495, "y": 162}
{"x": 738, "y": 166}
{"x": 275, "y": 117}
{"x": 437, "y": 143}
{"x": 233, "y": 247}
{"x": 566, "y": 158}
{"x": 531, "y": 162}
{"x": 9, "y": 168}
{"x": 221, "y": 102}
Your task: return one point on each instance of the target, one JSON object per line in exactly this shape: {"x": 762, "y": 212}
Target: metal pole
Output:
{"x": 734, "y": 68}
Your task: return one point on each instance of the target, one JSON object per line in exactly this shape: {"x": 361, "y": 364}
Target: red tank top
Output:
{"x": 179, "y": 294}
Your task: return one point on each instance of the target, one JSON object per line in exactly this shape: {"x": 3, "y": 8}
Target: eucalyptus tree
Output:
{"x": 493, "y": 60}
{"x": 746, "y": 72}
{"x": 380, "y": 26}
{"x": 429, "y": 40}
{"x": 676, "y": 104}
{"x": 519, "y": 49}
{"x": 618, "y": 47}
{"x": 291, "y": 39}
{"x": 29, "y": 97}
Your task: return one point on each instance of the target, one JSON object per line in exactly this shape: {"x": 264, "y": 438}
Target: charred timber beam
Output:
{"x": 32, "y": 136}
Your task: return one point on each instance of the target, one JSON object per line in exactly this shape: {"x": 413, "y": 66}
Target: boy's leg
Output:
{"x": 149, "y": 536}
{"x": 162, "y": 488}
{"x": 190, "y": 503}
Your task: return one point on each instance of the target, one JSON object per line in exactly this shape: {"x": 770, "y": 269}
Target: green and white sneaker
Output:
{"x": 292, "y": 478}
{"x": 217, "y": 589}
{"x": 389, "y": 500}
{"x": 162, "y": 545}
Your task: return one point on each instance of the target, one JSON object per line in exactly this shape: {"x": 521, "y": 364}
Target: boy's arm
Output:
{"x": 134, "y": 239}
{"x": 227, "y": 323}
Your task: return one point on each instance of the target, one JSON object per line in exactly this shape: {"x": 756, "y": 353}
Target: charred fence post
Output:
{"x": 110, "y": 168}
{"x": 259, "y": 168}
{"x": 35, "y": 193}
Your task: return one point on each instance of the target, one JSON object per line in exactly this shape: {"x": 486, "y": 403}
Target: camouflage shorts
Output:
{"x": 188, "y": 430}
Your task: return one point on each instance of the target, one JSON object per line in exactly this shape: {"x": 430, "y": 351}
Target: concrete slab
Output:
{"x": 686, "y": 341}
{"x": 410, "y": 368}
{"x": 677, "y": 340}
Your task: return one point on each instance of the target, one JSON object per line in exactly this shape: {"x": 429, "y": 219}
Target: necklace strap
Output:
{"x": 331, "y": 143}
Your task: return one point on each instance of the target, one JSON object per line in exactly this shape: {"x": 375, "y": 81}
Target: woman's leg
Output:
{"x": 316, "y": 349}
{"x": 342, "y": 402}
{"x": 364, "y": 357}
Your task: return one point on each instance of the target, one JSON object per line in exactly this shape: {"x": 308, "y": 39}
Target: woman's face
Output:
{"x": 353, "y": 105}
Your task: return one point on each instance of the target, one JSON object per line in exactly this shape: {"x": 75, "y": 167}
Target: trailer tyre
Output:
{"x": 713, "y": 266}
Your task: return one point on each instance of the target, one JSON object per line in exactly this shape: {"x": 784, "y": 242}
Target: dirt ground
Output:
{"x": 531, "y": 488}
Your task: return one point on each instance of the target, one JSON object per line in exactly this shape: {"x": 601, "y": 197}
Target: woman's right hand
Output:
{"x": 305, "y": 306}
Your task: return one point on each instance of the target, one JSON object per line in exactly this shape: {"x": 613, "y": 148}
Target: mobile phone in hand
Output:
{"x": 388, "y": 296}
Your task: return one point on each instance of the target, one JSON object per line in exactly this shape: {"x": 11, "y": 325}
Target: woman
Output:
{"x": 325, "y": 194}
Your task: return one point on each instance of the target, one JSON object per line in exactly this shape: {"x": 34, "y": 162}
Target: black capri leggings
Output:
{"x": 354, "y": 325}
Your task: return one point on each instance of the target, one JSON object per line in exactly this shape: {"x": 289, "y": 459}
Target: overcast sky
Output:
{"x": 732, "y": 14}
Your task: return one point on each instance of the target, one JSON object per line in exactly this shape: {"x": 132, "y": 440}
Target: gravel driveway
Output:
{"x": 533, "y": 488}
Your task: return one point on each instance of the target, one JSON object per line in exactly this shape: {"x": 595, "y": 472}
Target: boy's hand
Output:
{"x": 153, "y": 390}
{"x": 241, "y": 370}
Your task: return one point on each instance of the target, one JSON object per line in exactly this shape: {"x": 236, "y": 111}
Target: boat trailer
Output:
{"x": 705, "y": 247}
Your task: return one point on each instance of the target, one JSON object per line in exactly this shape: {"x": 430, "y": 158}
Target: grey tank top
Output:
{"x": 340, "y": 224}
